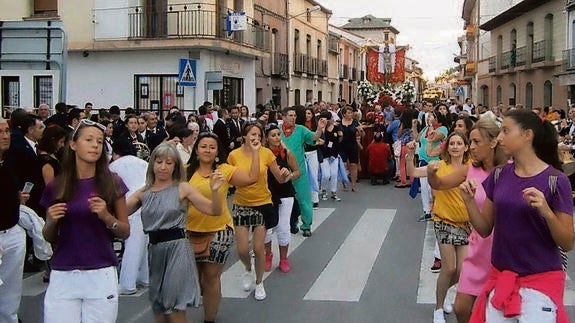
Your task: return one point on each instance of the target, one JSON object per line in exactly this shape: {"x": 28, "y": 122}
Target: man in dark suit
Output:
{"x": 221, "y": 128}
{"x": 60, "y": 117}
{"x": 155, "y": 134}
{"x": 117, "y": 122}
{"x": 235, "y": 123}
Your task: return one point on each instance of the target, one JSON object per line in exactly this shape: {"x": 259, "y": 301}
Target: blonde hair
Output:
{"x": 166, "y": 149}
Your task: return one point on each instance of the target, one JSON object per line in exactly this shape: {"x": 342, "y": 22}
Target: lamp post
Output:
{"x": 290, "y": 43}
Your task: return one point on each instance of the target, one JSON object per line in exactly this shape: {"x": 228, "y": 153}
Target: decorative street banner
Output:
{"x": 236, "y": 21}
{"x": 373, "y": 74}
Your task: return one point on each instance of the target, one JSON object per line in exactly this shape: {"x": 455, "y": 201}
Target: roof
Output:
{"x": 512, "y": 13}
{"x": 370, "y": 22}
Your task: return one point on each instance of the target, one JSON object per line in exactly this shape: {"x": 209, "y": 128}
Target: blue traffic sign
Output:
{"x": 187, "y": 72}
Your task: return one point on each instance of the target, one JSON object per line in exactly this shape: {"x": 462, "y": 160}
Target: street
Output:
{"x": 367, "y": 261}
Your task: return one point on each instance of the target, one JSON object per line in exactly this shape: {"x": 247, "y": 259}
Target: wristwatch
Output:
{"x": 114, "y": 226}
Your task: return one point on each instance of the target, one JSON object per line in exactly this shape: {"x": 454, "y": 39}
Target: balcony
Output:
{"x": 492, "y": 64}
{"x": 301, "y": 63}
{"x": 191, "y": 20}
{"x": 521, "y": 56}
{"x": 505, "y": 60}
{"x": 280, "y": 64}
{"x": 539, "y": 51}
{"x": 322, "y": 68}
{"x": 353, "y": 75}
{"x": 344, "y": 71}
{"x": 332, "y": 44}
{"x": 569, "y": 59}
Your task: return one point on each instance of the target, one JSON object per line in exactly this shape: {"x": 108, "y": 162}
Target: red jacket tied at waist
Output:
{"x": 507, "y": 299}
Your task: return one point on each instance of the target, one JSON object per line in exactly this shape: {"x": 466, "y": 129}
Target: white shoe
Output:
{"x": 447, "y": 306}
{"x": 247, "y": 281}
{"x": 260, "y": 292}
{"x": 438, "y": 316}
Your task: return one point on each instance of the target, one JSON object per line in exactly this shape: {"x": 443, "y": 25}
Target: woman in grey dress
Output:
{"x": 164, "y": 201}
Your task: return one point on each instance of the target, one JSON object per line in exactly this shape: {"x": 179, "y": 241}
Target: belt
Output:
{"x": 158, "y": 236}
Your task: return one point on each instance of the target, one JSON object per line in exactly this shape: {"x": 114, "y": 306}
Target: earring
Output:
{"x": 217, "y": 159}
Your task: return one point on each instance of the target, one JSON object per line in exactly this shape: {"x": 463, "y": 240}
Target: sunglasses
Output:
{"x": 88, "y": 123}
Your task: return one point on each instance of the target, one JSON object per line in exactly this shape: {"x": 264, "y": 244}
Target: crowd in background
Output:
{"x": 162, "y": 181}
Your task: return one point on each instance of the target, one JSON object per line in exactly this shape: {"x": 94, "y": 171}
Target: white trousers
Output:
{"x": 12, "y": 249}
{"x": 396, "y": 153}
{"x": 329, "y": 172}
{"x": 426, "y": 195}
{"x": 283, "y": 227}
{"x": 313, "y": 166}
{"x": 536, "y": 307}
{"x": 134, "y": 268}
{"x": 87, "y": 296}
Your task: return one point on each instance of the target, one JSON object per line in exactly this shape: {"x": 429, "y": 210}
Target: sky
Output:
{"x": 429, "y": 27}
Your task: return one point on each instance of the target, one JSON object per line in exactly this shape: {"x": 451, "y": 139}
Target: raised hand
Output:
{"x": 55, "y": 212}
{"x": 99, "y": 206}
{"x": 536, "y": 199}
{"x": 217, "y": 179}
{"x": 468, "y": 189}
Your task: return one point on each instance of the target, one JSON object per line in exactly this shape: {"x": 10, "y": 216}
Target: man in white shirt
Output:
{"x": 468, "y": 106}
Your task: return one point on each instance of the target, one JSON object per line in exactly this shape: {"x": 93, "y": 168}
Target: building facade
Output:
{"x": 527, "y": 42}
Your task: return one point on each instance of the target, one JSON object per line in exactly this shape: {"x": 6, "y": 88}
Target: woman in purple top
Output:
{"x": 529, "y": 218}
{"x": 84, "y": 213}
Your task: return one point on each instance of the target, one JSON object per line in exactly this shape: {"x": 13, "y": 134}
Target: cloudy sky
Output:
{"x": 429, "y": 27}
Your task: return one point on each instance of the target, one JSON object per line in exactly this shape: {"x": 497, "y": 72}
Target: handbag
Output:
{"x": 200, "y": 242}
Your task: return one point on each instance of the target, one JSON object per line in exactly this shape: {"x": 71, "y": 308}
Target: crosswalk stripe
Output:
{"x": 427, "y": 279}
{"x": 230, "y": 279}
{"x": 346, "y": 275}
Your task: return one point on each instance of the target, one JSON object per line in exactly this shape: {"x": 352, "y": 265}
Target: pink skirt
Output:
{"x": 476, "y": 264}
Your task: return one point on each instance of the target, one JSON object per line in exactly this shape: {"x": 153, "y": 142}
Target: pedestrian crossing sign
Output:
{"x": 187, "y": 72}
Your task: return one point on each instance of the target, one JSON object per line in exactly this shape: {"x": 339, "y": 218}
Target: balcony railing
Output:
{"x": 322, "y": 68}
{"x": 301, "y": 63}
{"x": 344, "y": 71}
{"x": 280, "y": 64}
{"x": 505, "y": 60}
{"x": 569, "y": 59}
{"x": 192, "y": 20}
{"x": 492, "y": 64}
{"x": 539, "y": 51}
{"x": 353, "y": 75}
{"x": 521, "y": 57}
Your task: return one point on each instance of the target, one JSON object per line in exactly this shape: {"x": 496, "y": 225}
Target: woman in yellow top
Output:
{"x": 212, "y": 236}
{"x": 451, "y": 221}
{"x": 253, "y": 205}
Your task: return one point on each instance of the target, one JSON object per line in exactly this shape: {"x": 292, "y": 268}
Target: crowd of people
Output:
{"x": 160, "y": 183}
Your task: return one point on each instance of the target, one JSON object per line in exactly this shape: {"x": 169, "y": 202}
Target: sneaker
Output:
{"x": 260, "y": 292}
{"x": 447, "y": 307}
{"x": 284, "y": 265}
{"x": 315, "y": 205}
{"x": 436, "y": 266}
{"x": 425, "y": 217}
{"x": 269, "y": 258}
{"x": 128, "y": 291}
{"x": 335, "y": 197}
{"x": 247, "y": 281}
{"x": 306, "y": 233}
{"x": 323, "y": 196}
{"x": 438, "y": 316}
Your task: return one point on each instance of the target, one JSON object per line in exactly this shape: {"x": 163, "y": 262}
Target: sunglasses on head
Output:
{"x": 88, "y": 123}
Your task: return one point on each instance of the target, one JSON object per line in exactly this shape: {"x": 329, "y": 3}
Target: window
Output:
{"x": 319, "y": 51}
{"x": 45, "y": 7}
{"x": 11, "y": 92}
{"x": 529, "y": 42}
{"x": 529, "y": 95}
{"x": 43, "y": 90}
{"x": 500, "y": 51}
{"x": 547, "y": 94}
{"x": 319, "y": 96}
{"x": 297, "y": 99}
{"x": 232, "y": 92}
{"x": 296, "y": 41}
{"x": 157, "y": 93}
{"x": 548, "y": 34}
{"x": 498, "y": 94}
{"x": 512, "y": 92}
{"x": 485, "y": 95}
{"x": 308, "y": 96}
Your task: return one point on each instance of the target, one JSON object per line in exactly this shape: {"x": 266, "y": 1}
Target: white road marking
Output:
{"x": 231, "y": 285}
{"x": 346, "y": 275}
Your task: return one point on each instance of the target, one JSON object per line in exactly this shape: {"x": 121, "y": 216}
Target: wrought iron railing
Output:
{"x": 521, "y": 57}
{"x": 539, "y": 51}
{"x": 569, "y": 59}
{"x": 505, "y": 60}
{"x": 492, "y": 64}
{"x": 322, "y": 71}
{"x": 192, "y": 20}
{"x": 280, "y": 64}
